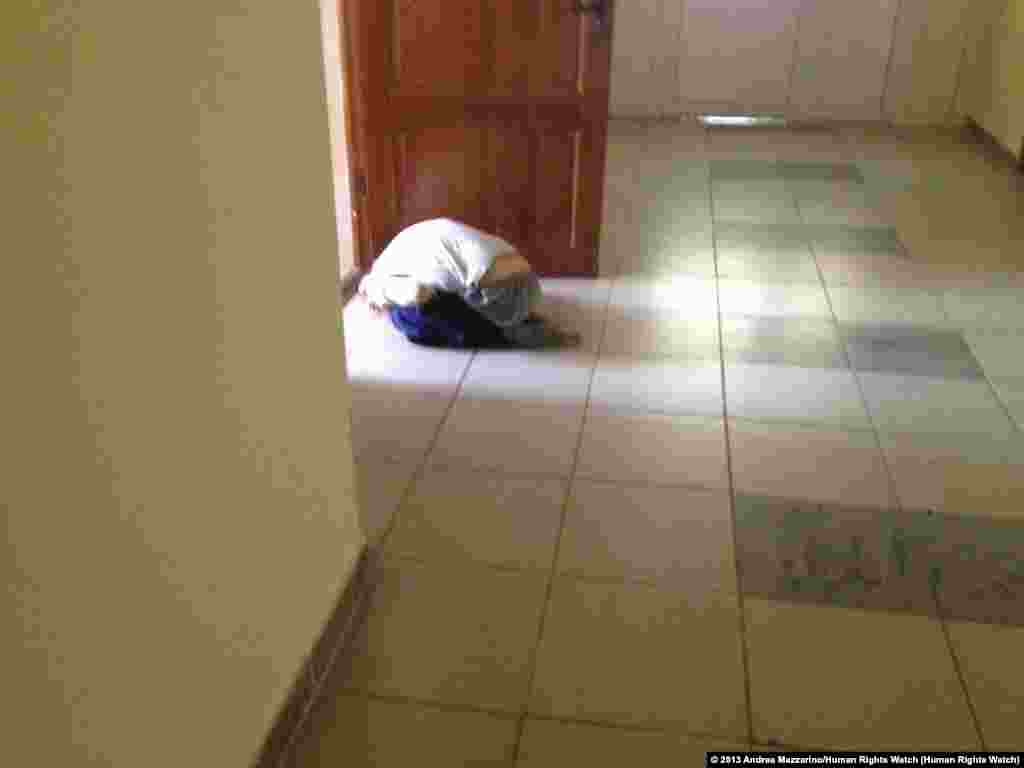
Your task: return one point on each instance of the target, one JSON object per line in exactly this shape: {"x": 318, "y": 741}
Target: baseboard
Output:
{"x": 333, "y": 644}
{"x": 996, "y": 149}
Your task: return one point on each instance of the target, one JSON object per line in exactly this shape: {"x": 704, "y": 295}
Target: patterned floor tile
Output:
{"x": 829, "y": 554}
{"x": 969, "y": 568}
{"x": 911, "y": 351}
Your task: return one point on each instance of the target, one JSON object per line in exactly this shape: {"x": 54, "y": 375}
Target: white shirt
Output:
{"x": 437, "y": 255}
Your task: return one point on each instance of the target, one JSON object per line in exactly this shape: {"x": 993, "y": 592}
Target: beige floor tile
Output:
{"x": 364, "y": 329}
{"x": 768, "y": 748}
{"x": 759, "y": 252}
{"x": 641, "y": 448}
{"x": 635, "y": 655}
{"x": 943, "y": 471}
{"x": 454, "y": 635}
{"x": 495, "y": 519}
{"x": 668, "y": 386}
{"x": 984, "y": 490}
{"x": 357, "y": 732}
{"x": 508, "y": 435}
{"x": 771, "y": 145}
{"x": 990, "y": 659}
{"x": 378, "y": 356}
{"x": 382, "y": 483}
{"x": 804, "y": 342}
{"x": 826, "y": 676}
{"x": 670, "y": 537}
{"x": 665, "y": 254}
{"x": 577, "y": 305}
{"x": 999, "y": 352}
{"x": 1010, "y": 391}
{"x": 842, "y": 203}
{"x": 652, "y": 335}
{"x": 817, "y": 464}
{"x": 874, "y": 271}
{"x": 543, "y": 376}
{"x": 765, "y": 201}
{"x": 882, "y": 306}
{"x": 689, "y": 296}
{"x": 993, "y": 308}
{"x": 554, "y": 744}
{"x": 901, "y": 403}
{"x": 801, "y": 395}
{"x": 744, "y": 297}
{"x": 396, "y": 424}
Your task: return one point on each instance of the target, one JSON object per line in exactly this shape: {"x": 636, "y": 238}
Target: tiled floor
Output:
{"x": 776, "y": 498}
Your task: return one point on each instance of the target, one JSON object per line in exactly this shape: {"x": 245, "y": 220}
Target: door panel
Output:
{"x": 494, "y": 113}
{"x": 418, "y": 65}
{"x": 508, "y": 186}
{"x": 438, "y": 171}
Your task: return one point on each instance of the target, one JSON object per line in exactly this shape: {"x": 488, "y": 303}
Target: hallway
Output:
{"x": 776, "y": 497}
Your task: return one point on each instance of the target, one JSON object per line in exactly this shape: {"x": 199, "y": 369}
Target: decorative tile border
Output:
{"x": 926, "y": 562}
{"x": 338, "y": 632}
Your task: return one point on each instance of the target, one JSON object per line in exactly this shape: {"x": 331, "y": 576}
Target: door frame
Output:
{"x": 355, "y": 134}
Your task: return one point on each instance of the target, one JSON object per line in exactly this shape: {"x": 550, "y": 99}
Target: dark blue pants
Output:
{"x": 447, "y": 321}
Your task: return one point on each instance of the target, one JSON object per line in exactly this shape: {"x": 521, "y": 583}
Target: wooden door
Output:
{"x": 493, "y": 112}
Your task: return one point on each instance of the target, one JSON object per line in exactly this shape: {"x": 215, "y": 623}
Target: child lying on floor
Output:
{"x": 446, "y": 284}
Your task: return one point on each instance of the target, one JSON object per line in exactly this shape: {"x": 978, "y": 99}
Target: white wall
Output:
{"x": 992, "y": 90}
{"x": 177, "y": 487}
{"x": 897, "y": 60}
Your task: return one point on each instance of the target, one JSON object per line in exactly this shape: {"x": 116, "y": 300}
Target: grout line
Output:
{"x": 726, "y": 434}
{"x": 421, "y": 468}
{"x": 896, "y": 18}
{"x": 958, "y": 667}
{"x": 546, "y": 606}
{"x": 1014, "y": 427}
{"x": 798, "y": 14}
{"x": 844, "y": 349}
{"x": 669, "y": 728}
{"x": 662, "y": 728}
{"x": 939, "y": 613}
